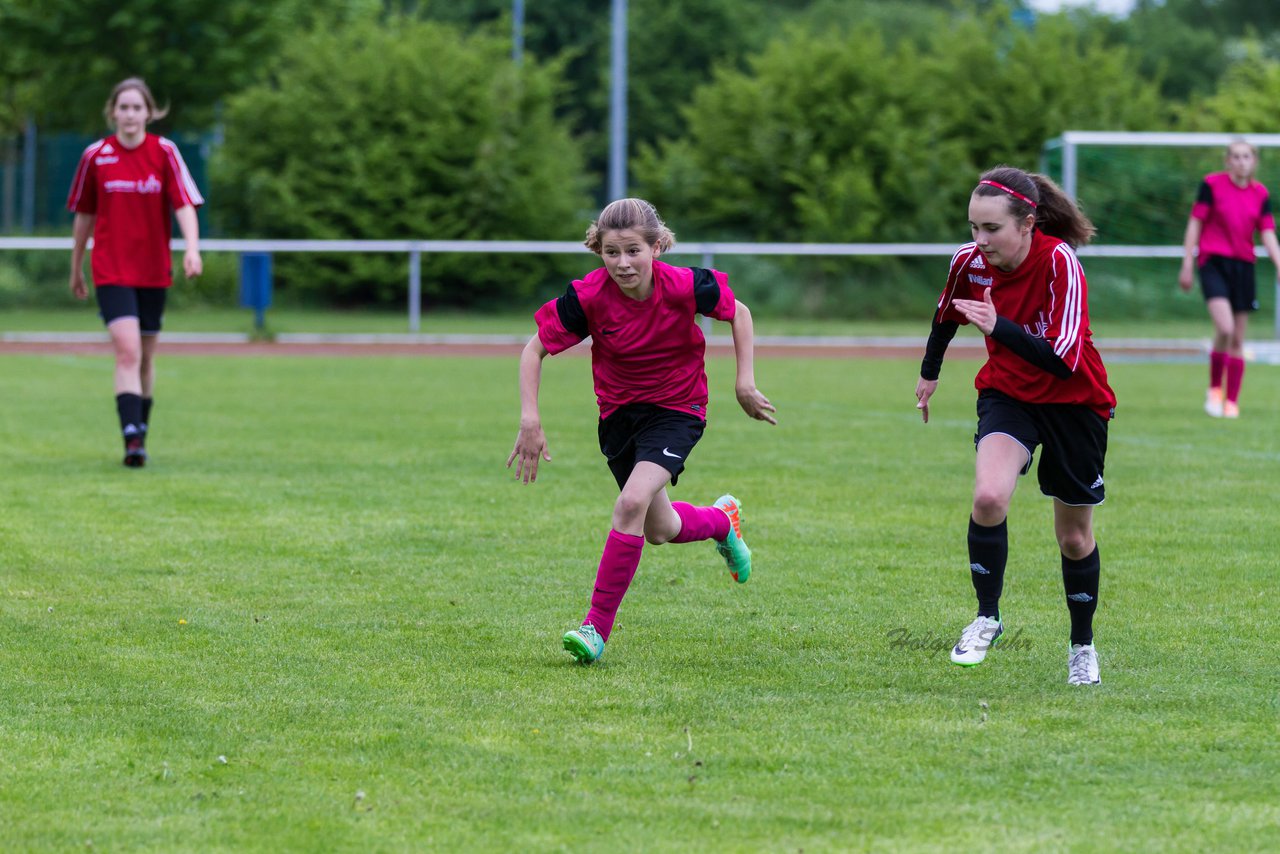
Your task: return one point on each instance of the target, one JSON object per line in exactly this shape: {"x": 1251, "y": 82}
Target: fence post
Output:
{"x": 415, "y": 288}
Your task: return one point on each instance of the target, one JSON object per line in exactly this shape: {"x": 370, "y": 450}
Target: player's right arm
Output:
{"x": 80, "y": 231}
{"x": 1190, "y": 244}
{"x": 946, "y": 321}
{"x": 1191, "y": 237}
{"x": 531, "y": 442}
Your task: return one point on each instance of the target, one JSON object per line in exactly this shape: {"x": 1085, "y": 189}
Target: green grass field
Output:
{"x": 325, "y": 618}
{"x": 293, "y": 320}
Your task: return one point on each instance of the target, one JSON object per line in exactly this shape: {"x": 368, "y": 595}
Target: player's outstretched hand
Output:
{"x": 981, "y": 313}
{"x": 756, "y": 404}
{"x": 531, "y": 444}
{"x": 924, "y": 390}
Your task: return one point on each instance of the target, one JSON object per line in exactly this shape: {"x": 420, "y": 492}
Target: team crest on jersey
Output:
{"x": 977, "y": 264}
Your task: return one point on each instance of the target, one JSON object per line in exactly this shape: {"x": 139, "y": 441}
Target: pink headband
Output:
{"x": 1010, "y": 191}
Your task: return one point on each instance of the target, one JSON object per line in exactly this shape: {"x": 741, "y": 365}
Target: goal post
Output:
{"x": 1138, "y": 187}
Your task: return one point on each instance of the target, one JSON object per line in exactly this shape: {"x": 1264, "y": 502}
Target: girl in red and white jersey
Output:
{"x": 1043, "y": 384}
{"x": 647, "y": 359}
{"x": 126, "y": 189}
{"x": 1229, "y": 209}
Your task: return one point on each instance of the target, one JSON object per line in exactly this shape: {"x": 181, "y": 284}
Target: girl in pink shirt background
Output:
{"x": 1229, "y": 209}
{"x": 648, "y": 365}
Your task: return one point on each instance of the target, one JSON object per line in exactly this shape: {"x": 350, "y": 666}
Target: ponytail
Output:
{"x": 1030, "y": 193}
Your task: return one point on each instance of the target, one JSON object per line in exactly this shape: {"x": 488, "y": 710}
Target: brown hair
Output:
{"x": 635, "y": 214}
{"x": 153, "y": 112}
{"x": 1056, "y": 215}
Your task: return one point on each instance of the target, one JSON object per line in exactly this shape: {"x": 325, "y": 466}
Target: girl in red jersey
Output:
{"x": 124, "y": 191}
{"x": 1229, "y": 209}
{"x": 1021, "y": 284}
{"x": 647, "y": 359}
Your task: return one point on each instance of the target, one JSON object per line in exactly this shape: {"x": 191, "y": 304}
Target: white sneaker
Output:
{"x": 1213, "y": 403}
{"x": 977, "y": 637}
{"x": 1082, "y": 665}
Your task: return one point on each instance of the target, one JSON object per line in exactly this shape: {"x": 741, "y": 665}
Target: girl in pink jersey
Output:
{"x": 1020, "y": 283}
{"x": 1229, "y": 209}
{"x": 126, "y": 189}
{"x": 647, "y": 359}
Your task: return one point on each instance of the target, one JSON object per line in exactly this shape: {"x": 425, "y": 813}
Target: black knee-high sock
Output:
{"x": 146, "y": 413}
{"x": 988, "y": 553}
{"x": 1080, "y": 580}
{"x": 129, "y": 406}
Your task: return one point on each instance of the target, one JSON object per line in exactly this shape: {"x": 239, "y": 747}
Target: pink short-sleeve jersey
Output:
{"x": 133, "y": 193}
{"x": 1231, "y": 216}
{"x": 642, "y": 351}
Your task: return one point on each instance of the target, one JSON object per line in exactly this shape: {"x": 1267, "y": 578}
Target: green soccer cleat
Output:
{"x": 584, "y": 643}
{"x": 732, "y": 548}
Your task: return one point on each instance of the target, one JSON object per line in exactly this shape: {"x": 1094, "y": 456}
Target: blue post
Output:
{"x": 255, "y": 284}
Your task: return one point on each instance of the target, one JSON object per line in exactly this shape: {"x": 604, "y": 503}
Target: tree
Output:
{"x": 838, "y": 137}
{"x": 1244, "y": 101}
{"x": 403, "y": 129}
{"x": 191, "y": 52}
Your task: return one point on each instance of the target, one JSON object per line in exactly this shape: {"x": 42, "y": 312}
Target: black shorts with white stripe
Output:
{"x": 1074, "y": 440}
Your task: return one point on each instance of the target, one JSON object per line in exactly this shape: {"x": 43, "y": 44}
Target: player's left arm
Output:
{"x": 189, "y": 225}
{"x": 752, "y": 401}
{"x": 1272, "y": 246}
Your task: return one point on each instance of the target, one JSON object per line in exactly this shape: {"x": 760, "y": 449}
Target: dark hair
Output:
{"x": 634, "y": 214}
{"x": 153, "y": 112}
{"x": 1056, "y": 215}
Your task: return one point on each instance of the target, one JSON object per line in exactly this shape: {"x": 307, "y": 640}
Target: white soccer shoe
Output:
{"x": 1082, "y": 665}
{"x": 977, "y": 637}
{"x": 1214, "y": 403}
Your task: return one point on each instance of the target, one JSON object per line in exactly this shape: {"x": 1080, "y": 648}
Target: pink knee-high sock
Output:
{"x": 1235, "y": 376}
{"x": 1217, "y": 365}
{"x": 700, "y": 523}
{"x": 617, "y": 568}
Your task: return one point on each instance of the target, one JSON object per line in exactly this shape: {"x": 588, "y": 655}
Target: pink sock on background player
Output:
{"x": 1217, "y": 366}
{"x": 1235, "y": 376}
{"x": 613, "y": 577}
{"x": 700, "y": 523}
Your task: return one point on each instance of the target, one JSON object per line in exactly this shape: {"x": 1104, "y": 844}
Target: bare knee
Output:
{"x": 989, "y": 507}
{"x": 129, "y": 358}
{"x": 1076, "y": 543}
{"x": 629, "y": 512}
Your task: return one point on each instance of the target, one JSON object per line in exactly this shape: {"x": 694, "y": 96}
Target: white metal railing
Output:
{"x": 414, "y": 249}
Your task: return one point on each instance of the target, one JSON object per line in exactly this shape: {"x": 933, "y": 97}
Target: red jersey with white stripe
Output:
{"x": 1231, "y": 215}
{"x": 642, "y": 351}
{"x": 1048, "y": 297}
{"x": 133, "y": 192}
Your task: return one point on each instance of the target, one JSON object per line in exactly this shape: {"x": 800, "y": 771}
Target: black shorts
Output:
{"x": 1231, "y": 279}
{"x": 646, "y": 432}
{"x": 146, "y": 304}
{"x": 1074, "y": 439}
